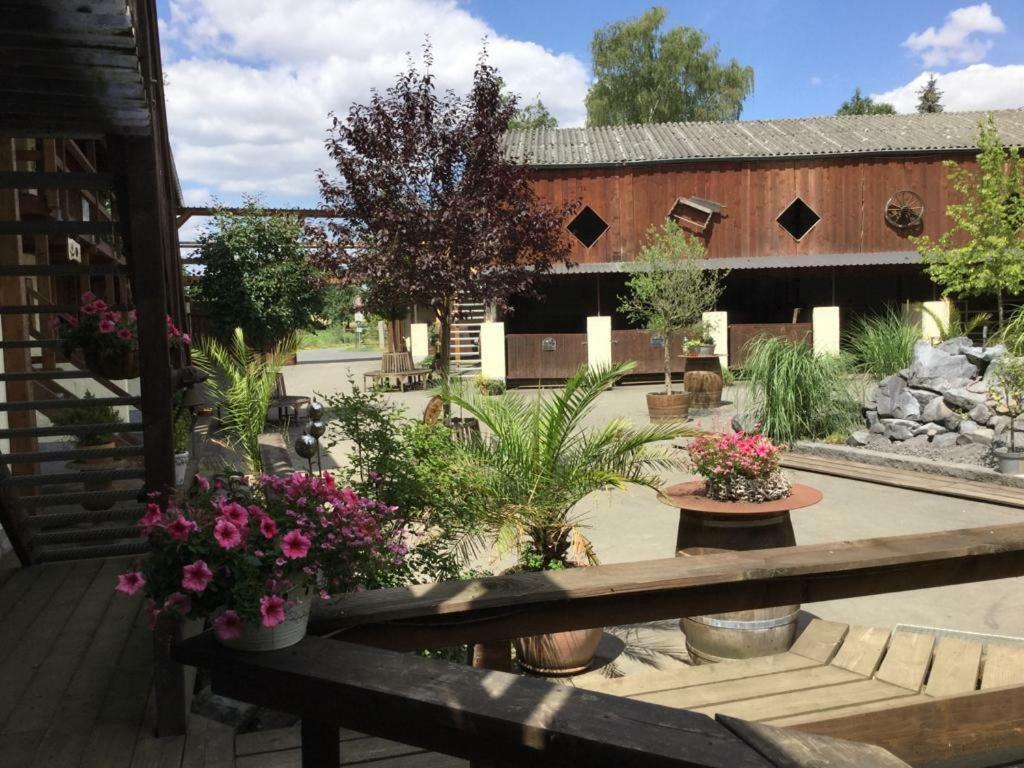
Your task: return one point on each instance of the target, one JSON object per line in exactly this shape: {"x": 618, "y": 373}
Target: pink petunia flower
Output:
{"x": 295, "y": 545}
{"x": 186, "y": 339}
{"x": 89, "y": 309}
{"x": 152, "y": 613}
{"x": 235, "y": 513}
{"x": 226, "y": 533}
{"x": 100, "y": 304}
{"x": 181, "y": 528}
{"x": 88, "y": 297}
{"x": 202, "y": 483}
{"x": 178, "y": 601}
{"x": 268, "y": 528}
{"x": 272, "y": 610}
{"x": 153, "y": 518}
{"x": 228, "y": 626}
{"x": 106, "y": 326}
{"x": 196, "y": 576}
{"x": 125, "y": 335}
{"x": 129, "y": 583}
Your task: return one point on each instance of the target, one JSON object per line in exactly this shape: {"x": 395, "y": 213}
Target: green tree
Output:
{"x": 533, "y": 115}
{"x": 982, "y": 254}
{"x": 929, "y": 97}
{"x": 645, "y": 75}
{"x": 864, "y": 105}
{"x": 258, "y": 276}
{"x": 671, "y": 289}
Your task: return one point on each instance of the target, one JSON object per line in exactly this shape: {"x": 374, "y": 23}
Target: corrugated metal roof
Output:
{"x": 803, "y": 137}
{"x": 759, "y": 262}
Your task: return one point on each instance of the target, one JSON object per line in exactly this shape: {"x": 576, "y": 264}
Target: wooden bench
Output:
{"x": 402, "y": 380}
{"x": 843, "y": 680}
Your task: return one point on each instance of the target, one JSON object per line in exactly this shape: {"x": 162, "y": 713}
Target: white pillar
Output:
{"x": 825, "y": 324}
{"x": 599, "y": 342}
{"x": 419, "y": 341}
{"x": 492, "y": 351}
{"x": 718, "y": 323}
{"x": 938, "y": 312}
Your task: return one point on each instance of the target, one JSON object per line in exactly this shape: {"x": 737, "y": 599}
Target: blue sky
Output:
{"x": 250, "y": 82}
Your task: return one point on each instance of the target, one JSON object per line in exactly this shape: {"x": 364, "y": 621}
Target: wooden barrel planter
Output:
{"x": 707, "y": 526}
{"x": 662, "y": 407}
{"x": 704, "y": 387}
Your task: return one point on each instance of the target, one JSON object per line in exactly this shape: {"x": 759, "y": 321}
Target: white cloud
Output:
{"x": 959, "y": 38}
{"x": 251, "y": 81}
{"x": 977, "y": 87}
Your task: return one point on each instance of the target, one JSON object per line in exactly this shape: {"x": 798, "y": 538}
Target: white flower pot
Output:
{"x": 255, "y": 637}
{"x": 180, "y": 465}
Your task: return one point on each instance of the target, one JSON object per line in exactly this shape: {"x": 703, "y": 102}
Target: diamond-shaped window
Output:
{"x": 587, "y": 227}
{"x": 798, "y": 219}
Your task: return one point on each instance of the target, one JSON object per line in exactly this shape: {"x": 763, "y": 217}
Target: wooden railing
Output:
{"x": 502, "y": 718}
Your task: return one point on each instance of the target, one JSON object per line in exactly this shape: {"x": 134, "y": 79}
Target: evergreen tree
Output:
{"x": 864, "y": 105}
{"x": 929, "y": 97}
{"x": 533, "y": 115}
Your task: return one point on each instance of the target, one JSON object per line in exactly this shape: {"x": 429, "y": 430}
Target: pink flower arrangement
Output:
{"x": 737, "y": 466}
{"x": 239, "y": 552}
{"x": 98, "y": 327}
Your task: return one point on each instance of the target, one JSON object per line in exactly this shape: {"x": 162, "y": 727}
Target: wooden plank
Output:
{"x": 54, "y": 227}
{"x": 708, "y": 697}
{"x": 820, "y": 640}
{"x": 156, "y": 751}
{"x": 53, "y": 180}
{"x": 810, "y": 700}
{"x": 862, "y": 650}
{"x": 793, "y": 749}
{"x": 208, "y": 744}
{"x": 280, "y": 739}
{"x": 979, "y": 728}
{"x": 847, "y": 711}
{"x": 664, "y": 680}
{"x": 510, "y": 606}
{"x": 47, "y": 580}
{"x": 458, "y": 710}
{"x": 955, "y": 667}
{"x": 907, "y": 660}
{"x": 1004, "y": 665}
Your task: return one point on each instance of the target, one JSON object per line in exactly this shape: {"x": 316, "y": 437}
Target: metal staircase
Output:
{"x": 59, "y": 501}
{"x": 467, "y": 318}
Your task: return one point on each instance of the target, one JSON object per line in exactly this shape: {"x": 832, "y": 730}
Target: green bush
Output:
{"x": 1012, "y": 333}
{"x": 882, "y": 344}
{"x": 796, "y": 394}
{"x": 87, "y": 414}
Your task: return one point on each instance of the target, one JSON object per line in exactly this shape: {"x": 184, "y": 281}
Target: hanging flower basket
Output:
{"x": 113, "y": 363}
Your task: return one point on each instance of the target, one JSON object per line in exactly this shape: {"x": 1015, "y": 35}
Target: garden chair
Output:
{"x": 284, "y": 402}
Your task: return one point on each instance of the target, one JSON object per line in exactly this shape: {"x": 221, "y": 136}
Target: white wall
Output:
{"x": 599, "y": 342}
{"x": 825, "y": 321}
{"x": 419, "y": 341}
{"x": 492, "y": 351}
{"x": 930, "y": 330}
{"x": 718, "y": 322}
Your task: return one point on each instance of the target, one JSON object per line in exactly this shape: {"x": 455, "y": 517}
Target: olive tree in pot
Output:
{"x": 538, "y": 463}
{"x": 1007, "y": 390}
{"x": 669, "y": 292}
{"x": 93, "y": 421}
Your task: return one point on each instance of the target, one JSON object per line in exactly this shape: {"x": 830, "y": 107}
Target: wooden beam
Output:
{"x": 458, "y": 710}
{"x": 54, "y": 227}
{"x": 505, "y": 607}
{"x": 54, "y": 180}
{"x": 21, "y": 16}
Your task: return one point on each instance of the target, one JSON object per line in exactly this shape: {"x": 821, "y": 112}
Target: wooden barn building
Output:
{"x": 806, "y": 213}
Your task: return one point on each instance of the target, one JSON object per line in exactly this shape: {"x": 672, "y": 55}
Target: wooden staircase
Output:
{"x": 467, "y": 318}
{"x": 55, "y": 503}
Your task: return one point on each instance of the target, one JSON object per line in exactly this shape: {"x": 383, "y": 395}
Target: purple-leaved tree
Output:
{"x": 428, "y": 209}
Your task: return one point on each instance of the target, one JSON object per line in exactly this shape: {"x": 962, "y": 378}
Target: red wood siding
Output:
{"x": 741, "y": 335}
{"x": 849, "y": 194}
{"x": 526, "y": 358}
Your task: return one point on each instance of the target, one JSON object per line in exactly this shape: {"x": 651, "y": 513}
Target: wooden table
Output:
{"x": 402, "y": 379}
{"x": 707, "y": 526}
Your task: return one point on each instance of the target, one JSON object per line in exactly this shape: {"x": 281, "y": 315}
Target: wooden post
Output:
{"x": 497, "y": 656}
{"x": 320, "y": 744}
{"x": 172, "y": 681}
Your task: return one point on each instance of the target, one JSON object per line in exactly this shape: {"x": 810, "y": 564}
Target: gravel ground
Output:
{"x": 919, "y": 447}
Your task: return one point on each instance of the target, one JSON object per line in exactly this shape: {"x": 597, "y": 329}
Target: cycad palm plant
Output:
{"x": 242, "y": 382}
{"x": 540, "y": 461}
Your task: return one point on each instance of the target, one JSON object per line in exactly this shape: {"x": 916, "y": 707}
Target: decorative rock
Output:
{"x": 859, "y": 438}
{"x": 898, "y": 429}
{"x": 946, "y": 440}
{"x": 980, "y": 413}
{"x": 979, "y": 436}
{"x": 931, "y": 429}
{"x": 982, "y": 356}
{"x": 935, "y": 369}
{"x": 871, "y": 417}
{"x": 953, "y": 346}
{"x": 939, "y": 412}
{"x": 923, "y": 396}
{"x": 1000, "y": 424}
{"x": 967, "y": 426}
{"x": 893, "y": 399}
{"x": 960, "y": 397}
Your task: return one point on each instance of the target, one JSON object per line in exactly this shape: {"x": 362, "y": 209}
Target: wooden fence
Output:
{"x": 636, "y": 345}
{"x": 532, "y": 357}
{"x": 740, "y": 335}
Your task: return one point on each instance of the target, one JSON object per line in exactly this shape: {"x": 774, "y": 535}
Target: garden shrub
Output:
{"x": 882, "y": 344}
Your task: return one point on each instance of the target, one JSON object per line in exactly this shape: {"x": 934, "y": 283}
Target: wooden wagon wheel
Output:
{"x": 904, "y": 210}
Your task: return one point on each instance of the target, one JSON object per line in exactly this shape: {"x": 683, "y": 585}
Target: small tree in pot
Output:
{"x": 1007, "y": 389}
{"x": 670, "y": 292}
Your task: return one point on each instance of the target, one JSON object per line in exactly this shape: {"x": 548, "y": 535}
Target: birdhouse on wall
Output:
{"x": 694, "y": 213}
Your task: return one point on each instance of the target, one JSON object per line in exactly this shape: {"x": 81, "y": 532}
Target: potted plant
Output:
{"x": 707, "y": 340}
{"x": 182, "y": 440}
{"x": 486, "y": 386}
{"x": 668, "y": 292}
{"x": 537, "y": 464}
{"x": 90, "y": 414}
{"x": 108, "y": 338}
{"x": 1007, "y": 390}
{"x": 691, "y": 347}
{"x": 250, "y": 556}
{"x": 738, "y": 467}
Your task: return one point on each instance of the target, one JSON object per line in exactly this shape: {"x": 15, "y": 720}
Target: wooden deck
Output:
{"x": 75, "y": 686}
{"x": 925, "y": 482}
